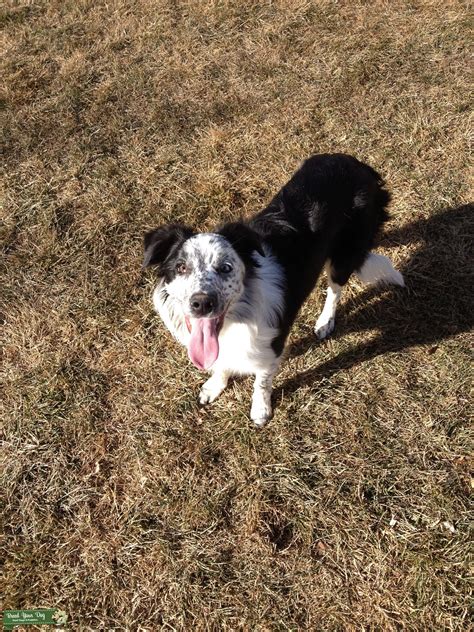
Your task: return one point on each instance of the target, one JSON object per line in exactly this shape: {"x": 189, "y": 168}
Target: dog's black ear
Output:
{"x": 243, "y": 239}
{"x": 160, "y": 242}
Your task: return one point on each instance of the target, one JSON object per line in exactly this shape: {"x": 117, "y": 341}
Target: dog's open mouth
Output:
{"x": 203, "y": 346}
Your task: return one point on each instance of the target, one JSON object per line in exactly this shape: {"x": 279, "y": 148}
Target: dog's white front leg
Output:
{"x": 261, "y": 410}
{"x": 214, "y": 386}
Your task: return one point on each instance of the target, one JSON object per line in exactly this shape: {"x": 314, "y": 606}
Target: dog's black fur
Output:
{"x": 331, "y": 209}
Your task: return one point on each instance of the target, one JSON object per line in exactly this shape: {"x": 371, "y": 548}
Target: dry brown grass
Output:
{"x": 125, "y": 504}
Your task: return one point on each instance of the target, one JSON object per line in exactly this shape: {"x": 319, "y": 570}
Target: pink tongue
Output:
{"x": 203, "y": 347}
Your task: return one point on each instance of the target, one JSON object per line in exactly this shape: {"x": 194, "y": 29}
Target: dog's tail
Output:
{"x": 378, "y": 268}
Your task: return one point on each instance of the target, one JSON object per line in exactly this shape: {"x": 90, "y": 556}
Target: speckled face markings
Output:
{"x": 207, "y": 263}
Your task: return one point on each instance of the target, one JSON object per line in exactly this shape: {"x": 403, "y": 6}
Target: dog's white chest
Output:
{"x": 244, "y": 348}
{"x": 236, "y": 342}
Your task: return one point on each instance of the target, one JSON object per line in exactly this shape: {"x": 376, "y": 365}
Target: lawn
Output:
{"x": 125, "y": 503}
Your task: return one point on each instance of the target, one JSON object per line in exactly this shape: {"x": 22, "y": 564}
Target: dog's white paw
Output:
{"x": 324, "y": 327}
{"x": 211, "y": 390}
{"x": 261, "y": 412}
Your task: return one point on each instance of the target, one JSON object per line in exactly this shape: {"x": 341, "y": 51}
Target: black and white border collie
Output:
{"x": 231, "y": 296}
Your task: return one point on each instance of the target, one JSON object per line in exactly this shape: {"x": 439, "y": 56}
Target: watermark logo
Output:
{"x": 40, "y": 616}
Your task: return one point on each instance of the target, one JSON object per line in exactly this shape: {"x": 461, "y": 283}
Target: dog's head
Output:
{"x": 204, "y": 275}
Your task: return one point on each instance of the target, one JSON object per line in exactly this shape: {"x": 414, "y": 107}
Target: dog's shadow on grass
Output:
{"x": 436, "y": 303}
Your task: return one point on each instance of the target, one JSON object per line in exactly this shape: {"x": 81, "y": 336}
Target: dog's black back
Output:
{"x": 331, "y": 209}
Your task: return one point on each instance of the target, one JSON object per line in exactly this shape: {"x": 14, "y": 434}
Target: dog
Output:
{"x": 231, "y": 296}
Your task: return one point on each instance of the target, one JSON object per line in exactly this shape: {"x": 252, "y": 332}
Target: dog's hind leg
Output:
{"x": 214, "y": 386}
{"x": 378, "y": 268}
{"x": 327, "y": 319}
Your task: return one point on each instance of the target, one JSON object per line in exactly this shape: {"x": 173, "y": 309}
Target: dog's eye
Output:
{"x": 225, "y": 268}
{"x": 180, "y": 267}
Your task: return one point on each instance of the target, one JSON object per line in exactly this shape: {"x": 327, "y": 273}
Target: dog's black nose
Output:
{"x": 203, "y": 304}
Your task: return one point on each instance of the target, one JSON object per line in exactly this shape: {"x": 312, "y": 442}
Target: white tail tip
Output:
{"x": 378, "y": 268}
